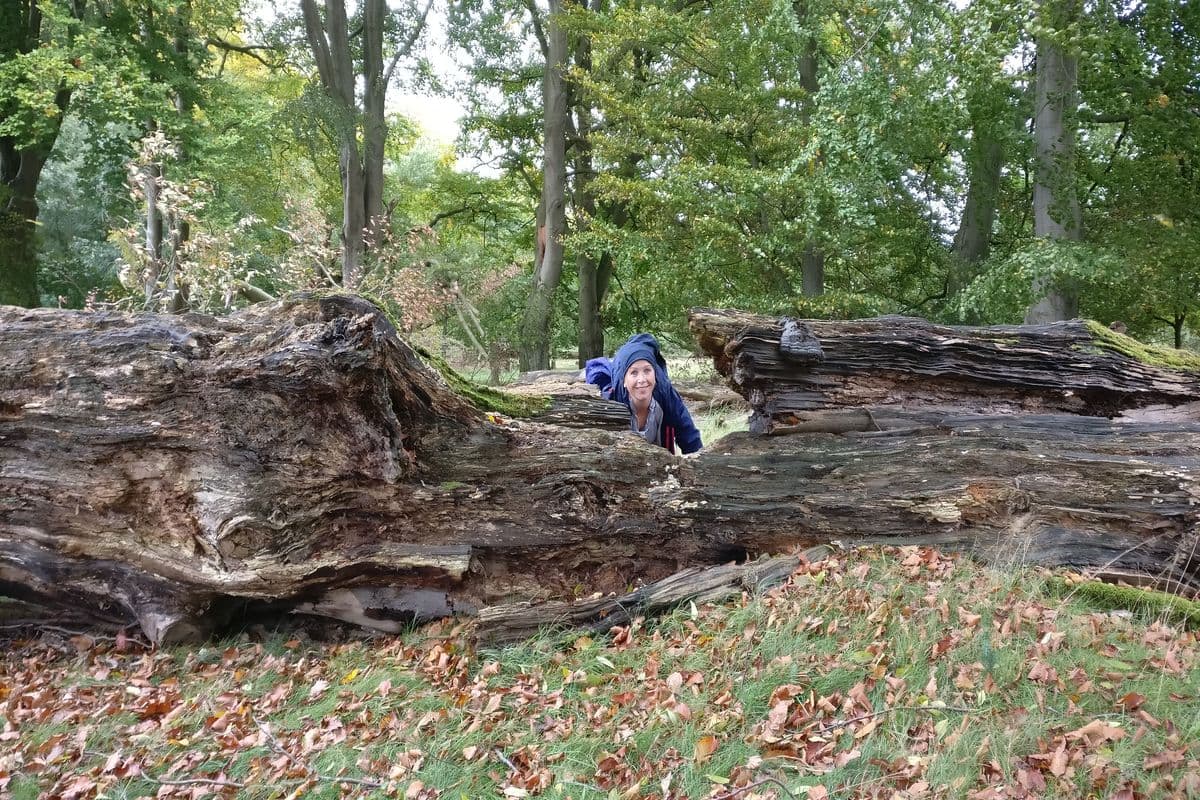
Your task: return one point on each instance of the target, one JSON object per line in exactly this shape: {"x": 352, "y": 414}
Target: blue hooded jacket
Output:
{"x": 610, "y": 377}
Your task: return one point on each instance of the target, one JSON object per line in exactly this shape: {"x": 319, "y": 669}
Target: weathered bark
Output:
{"x": 508, "y": 623}
{"x": 791, "y": 368}
{"x": 172, "y": 470}
{"x": 534, "y": 349}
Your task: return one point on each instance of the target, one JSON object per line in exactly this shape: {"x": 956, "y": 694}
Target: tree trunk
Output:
{"x": 154, "y": 235}
{"x": 812, "y": 263}
{"x": 1056, "y": 213}
{"x": 374, "y": 119}
{"x": 534, "y": 350}
{"x": 972, "y": 241}
{"x": 21, "y": 170}
{"x": 19, "y": 256}
{"x": 21, "y": 163}
{"x": 179, "y": 470}
{"x": 990, "y": 115}
{"x": 790, "y": 369}
{"x": 591, "y": 328}
{"x": 329, "y": 40}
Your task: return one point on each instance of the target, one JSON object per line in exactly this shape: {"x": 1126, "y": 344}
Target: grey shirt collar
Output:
{"x": 654, "y": 419}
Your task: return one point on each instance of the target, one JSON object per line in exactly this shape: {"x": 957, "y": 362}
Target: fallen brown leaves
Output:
{"x": 894, "y": 673}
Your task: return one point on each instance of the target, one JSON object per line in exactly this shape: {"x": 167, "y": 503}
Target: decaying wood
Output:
{"x": 788, "y": 368}
{"x": 176, "y": 471}
{"x": 516, "y": 621}
{"x": 584, "y": 412}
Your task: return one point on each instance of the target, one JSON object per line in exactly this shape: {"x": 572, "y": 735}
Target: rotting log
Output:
{"x": 177, "y": 471}
{"x": 788, "y": 368}
{"x": 509, "y": 623}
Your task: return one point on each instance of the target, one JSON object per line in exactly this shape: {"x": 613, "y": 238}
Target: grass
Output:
{"x": 879, "y": 673}
{"x": 718, "y": 422}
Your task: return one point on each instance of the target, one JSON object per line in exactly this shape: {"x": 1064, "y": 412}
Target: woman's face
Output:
{"x": 639, "y": 381}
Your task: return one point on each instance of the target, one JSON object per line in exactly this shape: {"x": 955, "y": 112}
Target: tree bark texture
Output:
{"x": 790, "y": 369}
{"x": 534, "y": 349}
{"x": 1056, "y": 213}
{"x": 174, "y": 471}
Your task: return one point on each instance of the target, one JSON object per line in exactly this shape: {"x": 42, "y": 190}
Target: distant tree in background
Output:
{"x": 361, "y": 123}
{"x": 42, "y": 50}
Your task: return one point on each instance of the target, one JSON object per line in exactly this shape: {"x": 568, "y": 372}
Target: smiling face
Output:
{"x": 639, "y": 382}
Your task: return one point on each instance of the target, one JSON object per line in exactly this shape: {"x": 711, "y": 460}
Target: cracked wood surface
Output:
{"x": 176, "y": 471}
{"x": 911, "y": 363}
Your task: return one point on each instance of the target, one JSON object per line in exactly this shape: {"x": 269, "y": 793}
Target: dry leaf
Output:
{"x": 705, "y": 747}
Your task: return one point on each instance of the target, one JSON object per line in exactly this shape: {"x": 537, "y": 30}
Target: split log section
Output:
{"x": 299, "y": 455}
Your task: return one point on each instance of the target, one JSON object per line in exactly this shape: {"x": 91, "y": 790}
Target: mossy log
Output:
{"x": 175, "y": 471}
{"x": 788, "y": 369}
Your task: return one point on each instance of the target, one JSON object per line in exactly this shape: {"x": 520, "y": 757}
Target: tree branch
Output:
{"x": 318, "y": 41}
{"x": 244, "y": 49}
{"x": 537, "y": 28}
{"x": 448, "y": 214}
{"x": 406, "y": 48}
{"x": 1112, "y": 159}
{"x": 1102, "y": 119}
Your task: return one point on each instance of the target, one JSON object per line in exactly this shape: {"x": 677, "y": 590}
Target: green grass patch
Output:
{"x": 866, "y": 674}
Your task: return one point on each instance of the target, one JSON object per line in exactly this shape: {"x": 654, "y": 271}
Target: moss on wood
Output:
{"x": 1110, "y": 596}
{"x": 1167, "y": 357}
{"x": 483, "y": 397}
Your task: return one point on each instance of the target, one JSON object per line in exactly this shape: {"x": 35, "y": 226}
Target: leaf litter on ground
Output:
{"x": 897, "y": 673}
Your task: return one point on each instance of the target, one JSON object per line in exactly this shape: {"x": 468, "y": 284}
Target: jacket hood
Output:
{"x": 640, "y": 347}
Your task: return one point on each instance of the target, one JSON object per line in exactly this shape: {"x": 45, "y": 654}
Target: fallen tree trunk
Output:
{"x": 789, "y": 368}
{"x": 174, "y": 471}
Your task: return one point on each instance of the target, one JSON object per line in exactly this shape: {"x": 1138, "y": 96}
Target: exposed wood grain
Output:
{"x": 911, "y": 363}
{"x": 175, "y": 471}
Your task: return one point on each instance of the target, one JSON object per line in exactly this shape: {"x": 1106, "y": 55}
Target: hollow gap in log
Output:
{"x": 260, "y": 619}
{"x": 727, "y": 552}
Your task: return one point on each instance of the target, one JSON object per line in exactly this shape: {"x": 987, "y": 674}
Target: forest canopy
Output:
{"x": 989, "y": 161}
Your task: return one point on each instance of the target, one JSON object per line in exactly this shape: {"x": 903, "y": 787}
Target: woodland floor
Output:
{"x": 877, "y": 673}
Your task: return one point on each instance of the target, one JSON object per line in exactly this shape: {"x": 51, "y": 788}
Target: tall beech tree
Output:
{"x": 1056, "y": 209}
{"x": 534, "y": 347}
{"x": 344, "y": 56}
